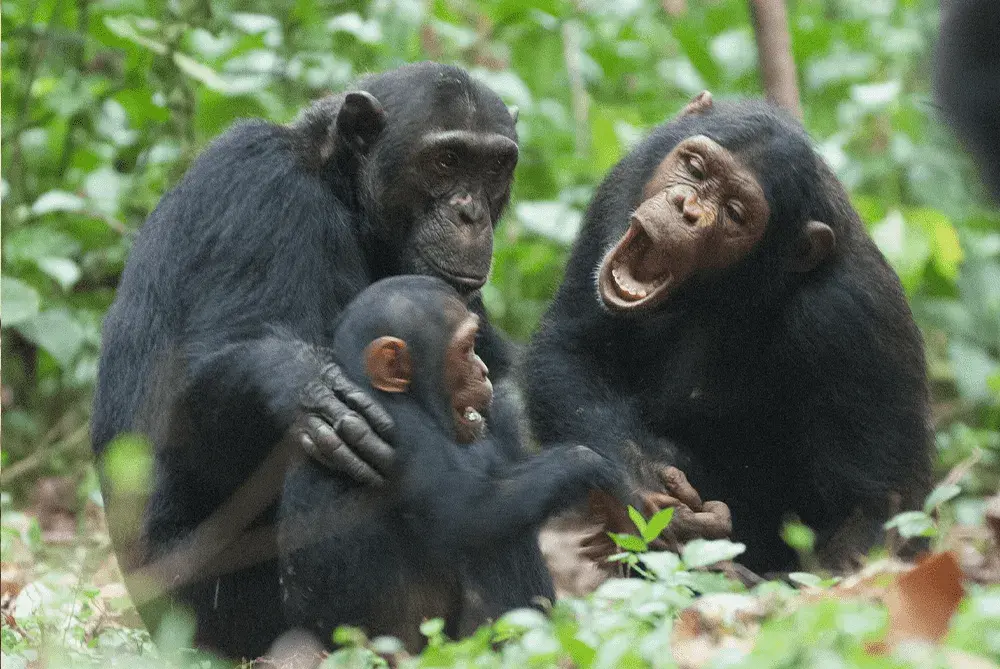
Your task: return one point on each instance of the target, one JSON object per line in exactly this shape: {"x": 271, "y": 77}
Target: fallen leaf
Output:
{"x": 922, "y": 601}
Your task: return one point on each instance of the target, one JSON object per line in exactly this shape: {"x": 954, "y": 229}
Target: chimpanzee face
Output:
{"x": 437, "y": 176}
{"x": 462, "y": 180}
{"x": 467, "y": 381}
{"x": 702, "y": 210}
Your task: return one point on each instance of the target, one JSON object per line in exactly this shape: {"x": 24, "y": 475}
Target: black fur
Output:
{"x": 967, "y": 79}
{"x": 272, "y": 227}
{"x": 778, "y": 393}
{"x": 454, "y": 534}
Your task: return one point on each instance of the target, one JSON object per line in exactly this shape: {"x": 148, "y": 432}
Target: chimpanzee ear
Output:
{"x": 816, "y": 242}
{"x": 699, "y": 104}
{"x": 360, "y": 120}
{"x": 387, "y": 362}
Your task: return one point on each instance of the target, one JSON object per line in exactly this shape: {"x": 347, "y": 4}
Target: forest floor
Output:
{"x": 64, "y": 605}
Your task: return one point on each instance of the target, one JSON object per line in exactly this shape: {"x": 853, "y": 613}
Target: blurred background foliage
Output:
{"x": 106, "y": 102}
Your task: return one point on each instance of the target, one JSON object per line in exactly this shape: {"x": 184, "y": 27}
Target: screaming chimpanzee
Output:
{"x": 724, "y": 311}
{"x": 280, "y": 226}
{"x": 454, "y": 534}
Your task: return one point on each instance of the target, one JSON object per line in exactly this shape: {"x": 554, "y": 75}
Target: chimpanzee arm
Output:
{"x": 467, "y": 498}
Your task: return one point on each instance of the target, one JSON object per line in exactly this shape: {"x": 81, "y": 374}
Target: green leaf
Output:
{"x": 201, "y": 72}
{"x": 58, "y": 332}
{"x": 57, "y": 200}
{"x": 369, "y": 32}
{"x": 661, "y": 563}
{"x": 799, "y": 536}
{"x": 911, "y": 524}
{"x": 19, "y": 302}
{"x": 628, "y": 542}
{"x": 659, "y": 522}
{"x": 128, "y": 463}
{"x": 637, "y": 520}
{"x": 806, "y": 579}
{"x": 940, "y": 495}
{"x": 703, "y": 552}
{"x": 126, "y": 28}
{"x": 64, "y": 271}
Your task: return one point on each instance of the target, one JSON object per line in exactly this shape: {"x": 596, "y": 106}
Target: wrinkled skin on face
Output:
{"x": 467, "y": 381}
{"x": 702, "y": 211}
{"x": 464, "y": 179}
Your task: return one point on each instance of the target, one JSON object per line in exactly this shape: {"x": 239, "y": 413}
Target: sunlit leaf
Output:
{"x": 705, "y": 552}
{"x": 659, "y": 522}
{"x": 911, "y": 524}
{"x": 18, "y": 301}
{"x": 940, "y": 495}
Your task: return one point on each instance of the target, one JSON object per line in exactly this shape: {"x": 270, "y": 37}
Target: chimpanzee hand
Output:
{"x": 343, "y": 428}
{"x": 692, "y": 518}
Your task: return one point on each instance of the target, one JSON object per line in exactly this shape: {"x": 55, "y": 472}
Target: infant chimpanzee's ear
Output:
{"x": 388, "y": 364}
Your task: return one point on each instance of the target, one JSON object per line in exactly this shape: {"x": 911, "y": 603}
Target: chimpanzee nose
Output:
{"x": 687, "y": 203}
{"x": 468, "y": 208}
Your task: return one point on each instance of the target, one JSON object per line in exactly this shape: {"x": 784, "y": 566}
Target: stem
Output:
{"x": 774, "y": 48}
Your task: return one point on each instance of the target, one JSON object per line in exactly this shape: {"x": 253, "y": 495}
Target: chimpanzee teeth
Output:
{"x": 472, "y": 415}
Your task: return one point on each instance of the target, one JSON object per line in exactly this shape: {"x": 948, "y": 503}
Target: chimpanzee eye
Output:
{"x": 448, "y": 160}
{"x": 735, "y": 212}
{"x": 695, "y": 167}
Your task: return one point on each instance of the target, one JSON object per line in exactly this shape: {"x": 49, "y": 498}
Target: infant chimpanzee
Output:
{"x": 454, "y": 533}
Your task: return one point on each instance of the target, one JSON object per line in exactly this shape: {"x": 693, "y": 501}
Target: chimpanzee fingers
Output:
{"x": 363, "y": 403}
{"x": 357, "y": 433}
{"x": 350, "y": 429}
{"x": 322, "y": 442}
{"x": 714, "y": 523}
{"x": 677, "y": 485}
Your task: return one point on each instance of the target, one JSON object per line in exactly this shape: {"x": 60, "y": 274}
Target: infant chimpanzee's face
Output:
{"x": 467, "y": 380}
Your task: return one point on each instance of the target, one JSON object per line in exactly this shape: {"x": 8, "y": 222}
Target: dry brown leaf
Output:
{"x": 922, "y": 601}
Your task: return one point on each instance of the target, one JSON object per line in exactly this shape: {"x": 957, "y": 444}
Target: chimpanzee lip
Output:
{"x": 619, "y": 288}
{"x": 460, "y": 282}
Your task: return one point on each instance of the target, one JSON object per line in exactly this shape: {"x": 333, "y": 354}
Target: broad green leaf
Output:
{"x": 662, "y": 563}
{"x": 368, "y": 31}
{"x": 126, "y": 28}
{"x": 58, "y": 332}
{"x": 628, "y": 542}
{"x": 911, "y": 524}
{"x": 64, "y": 271}
{"x": 704, "y": 552}
{"x": 659, "y": 522}
{"x": 637, "y": 520}
{"x": 799, "y": 536}
{"x": 128, "y": 463}
{"x": 806, "y": 579}
{"x": 201, "y": 72}
{"x": 57, "y": 200}
{"x": 940, "y": 495}
{"x": 19, "y": 302}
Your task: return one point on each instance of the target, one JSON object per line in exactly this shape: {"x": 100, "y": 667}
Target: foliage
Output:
{"x": 106, "y": 103}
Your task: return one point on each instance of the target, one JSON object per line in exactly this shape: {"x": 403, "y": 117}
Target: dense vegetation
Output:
{"x": 106, "y": 103}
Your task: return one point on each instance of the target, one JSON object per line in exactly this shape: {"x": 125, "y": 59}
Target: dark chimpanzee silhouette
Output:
{"x": 725, "y": 311}
{"x": 967, "y": 79}
{"x": 454, "y": 534}
{"x": 280, "y": 226}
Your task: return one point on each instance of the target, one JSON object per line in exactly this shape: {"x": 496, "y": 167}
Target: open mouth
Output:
{"x": 636, "y": 273}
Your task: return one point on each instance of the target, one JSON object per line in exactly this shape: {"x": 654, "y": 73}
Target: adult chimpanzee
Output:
{"x": 454, "y": 534}
{"x": 967, "y": 79}
{"x": 724, "y": 311}
{"x": 281, "y": 226}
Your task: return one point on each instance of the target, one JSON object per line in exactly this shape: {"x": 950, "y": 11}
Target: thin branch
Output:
{"x": 579, "y": 100}
{"x": 774, "y": 48}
